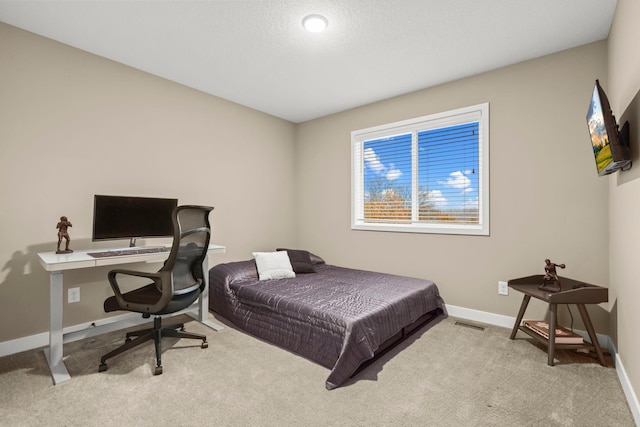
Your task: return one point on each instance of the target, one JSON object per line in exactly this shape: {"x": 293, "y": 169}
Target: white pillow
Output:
{"x": 273, "y": 265}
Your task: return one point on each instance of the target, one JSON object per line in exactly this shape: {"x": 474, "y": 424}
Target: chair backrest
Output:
{"x": 191, "y": 234}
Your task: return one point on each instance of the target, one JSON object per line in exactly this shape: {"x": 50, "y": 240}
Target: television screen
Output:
{"x": 125, "y": 217}
{"x": 610, "y": 148}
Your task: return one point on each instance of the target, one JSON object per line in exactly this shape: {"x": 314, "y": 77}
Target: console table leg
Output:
{"x": 54, "y": 353}
{"x": 203, "y": 302}
{"x": 523, "y": 308}
{"x": 553, "y": 320}
{"x": 592, "y": 333}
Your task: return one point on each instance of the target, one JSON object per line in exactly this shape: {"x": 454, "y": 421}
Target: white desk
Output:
{"x": 55, "y": 264}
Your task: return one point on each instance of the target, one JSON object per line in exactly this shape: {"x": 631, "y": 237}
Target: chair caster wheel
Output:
{"x": 102, "y": 367}
{"x": 158, "y": 370}
{"x": 204, "y": 345}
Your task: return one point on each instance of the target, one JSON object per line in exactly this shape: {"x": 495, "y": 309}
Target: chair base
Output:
{"x": 156, "y": 333}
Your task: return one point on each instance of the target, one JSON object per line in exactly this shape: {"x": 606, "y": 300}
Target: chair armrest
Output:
{"x": 153, "y": 275}
{"x": 114, "y": 282}
{"x": 156, "y": 277}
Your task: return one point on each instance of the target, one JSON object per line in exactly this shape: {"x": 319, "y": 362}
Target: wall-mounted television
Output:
{"x": 610, "y": 144}
{"x": 127, "y": 217}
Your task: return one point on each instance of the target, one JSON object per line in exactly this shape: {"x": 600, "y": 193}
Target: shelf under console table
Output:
{"x": 571, "y": 292}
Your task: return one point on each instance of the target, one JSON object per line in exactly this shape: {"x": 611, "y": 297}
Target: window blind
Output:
{"x": 448, "y": 172}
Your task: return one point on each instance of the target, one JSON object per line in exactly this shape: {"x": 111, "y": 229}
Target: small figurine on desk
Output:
{"x": 551, "y": 281}
{"x": 62, "y": 227}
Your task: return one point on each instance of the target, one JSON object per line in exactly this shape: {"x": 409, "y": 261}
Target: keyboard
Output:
{"x": 129, "y": 251}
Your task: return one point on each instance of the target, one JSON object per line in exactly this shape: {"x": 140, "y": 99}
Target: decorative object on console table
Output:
{"x": 563, "y": 335}
{"x": 551, "y": 281}
{"x": 63, "y": 233}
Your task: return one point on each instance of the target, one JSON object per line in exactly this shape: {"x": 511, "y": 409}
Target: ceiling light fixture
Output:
{"x": 315, "y": 23}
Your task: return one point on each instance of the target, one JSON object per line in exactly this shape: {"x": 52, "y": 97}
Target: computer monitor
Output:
{"x": 127, "y": 217}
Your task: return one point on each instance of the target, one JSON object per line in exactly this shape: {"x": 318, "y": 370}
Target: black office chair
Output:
{"x": 176, "y": 286}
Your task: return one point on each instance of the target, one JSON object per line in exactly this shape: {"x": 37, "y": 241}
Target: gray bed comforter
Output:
{"x": 337, "y": 317}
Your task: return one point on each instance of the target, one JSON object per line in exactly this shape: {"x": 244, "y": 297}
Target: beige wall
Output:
{"x": 73, "y": 125}
{"x": 546, "y": 199}
{"x": 624, "y": 194}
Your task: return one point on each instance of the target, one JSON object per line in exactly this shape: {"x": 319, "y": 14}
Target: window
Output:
{"x": 425, "y": 175}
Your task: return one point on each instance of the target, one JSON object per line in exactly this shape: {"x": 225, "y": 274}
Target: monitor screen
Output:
{"x": 610, "y": 146}
{"x": 125, "y": 217}
{"x": 598, "y": 132}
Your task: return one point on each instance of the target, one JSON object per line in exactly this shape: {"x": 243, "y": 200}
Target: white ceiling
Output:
{"x": 256, "y": 53}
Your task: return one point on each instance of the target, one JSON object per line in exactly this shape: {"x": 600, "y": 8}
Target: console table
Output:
{"x": 55, "y": 264}
{"x": 571, "y": 292}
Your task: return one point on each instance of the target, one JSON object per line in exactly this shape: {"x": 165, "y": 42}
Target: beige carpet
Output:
{"x": 448, "y": 375}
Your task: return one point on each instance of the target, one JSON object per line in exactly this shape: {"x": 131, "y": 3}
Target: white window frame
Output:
{"x": 479, "y": 113}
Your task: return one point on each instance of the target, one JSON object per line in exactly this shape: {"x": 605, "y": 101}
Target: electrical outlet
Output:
{"x": 503, "y": 288}
{"x": 73, "y": 295}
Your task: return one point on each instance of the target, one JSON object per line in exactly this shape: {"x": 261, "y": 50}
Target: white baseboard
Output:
{"x": 481, "y": 316}
{"x": 80, "y": 331}
{"x": 603, "y": 340}
{"x": 508, "y": 321}
{"x": 632, "y": 398}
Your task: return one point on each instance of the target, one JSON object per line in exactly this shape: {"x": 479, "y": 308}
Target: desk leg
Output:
{"x": 523, "y": 308}
{"x": 592, "y": 333}
{"x": 553, "y": 321}
{"x": 58, "y": 370}
{"x": 203, "y": 301}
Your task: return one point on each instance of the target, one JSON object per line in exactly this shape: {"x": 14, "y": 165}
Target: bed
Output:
{"x": 338, "y": 317}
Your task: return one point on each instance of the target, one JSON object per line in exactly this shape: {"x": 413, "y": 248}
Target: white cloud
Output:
{"x": 457, "y": 180}
{"x": 436, "y": 198}
{"x": 393, "y": 174}
{"x": 373, "y": 161}
{"x": 471, "y": 204}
